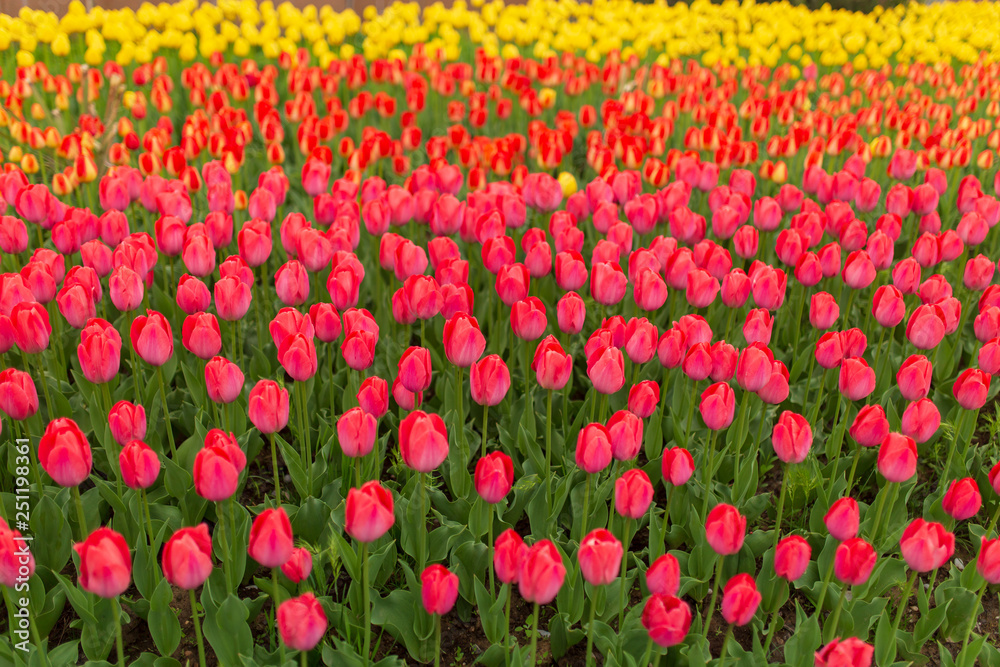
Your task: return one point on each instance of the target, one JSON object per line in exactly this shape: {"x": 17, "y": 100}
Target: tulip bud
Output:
{"x": 667, "y": 619}
{"x": 187, "y": 557}
{"x": 633, "y": 494}
{"x": 926, "y": 545}
{"x": 600, "y": 557}
{"x": 438, "y": 589}
{"x": 301, "y": 622}
{"x": 64, "y": 452}
{"x": 494, "y": 477}
{"x": 740, "y": 599}
{"x": 791, "y": 557}
{"x": 541, "y": 573}
{"x": 843, "y": 519}
{"x": 854, "y": 561}
{"x": 105, "y": 563}
{"x": 725, "y": 529}
{"x": 368, "y": 512}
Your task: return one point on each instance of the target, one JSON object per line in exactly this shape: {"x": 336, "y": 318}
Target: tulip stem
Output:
{"x": 690, "y": 417}
{"x": 604, "y": 408}
{"x": 224, "y": 546}
{"x": 534, "y": 634}
{"x": 774, "y": 625}
{"x": 548, "y": 455}
{"x": 649, "y": 653}
{"x": 902, "y": 603}
{"x": 830, "y": 629}
{"x": 586, "y": 502}
{"x": 854, "y": 469}
{"x": 116, "y": 450}
{"x": 973, "y": 616}
{"x": 624, "y": 585}
{"x": 275, "y": 601}
{"x": 300, "y": 389}
{"x": 197, "y": 629}
{"x": 526, "y": 357}
{"x": 707, "y": 474}
{"x": 486, "y": 422}
{"x": 819, "y": 396}
{"x": 437, "y": 640}
{"x": 45, "y": 385}
{"x": 274, "y": 468}
{"x": 781, "y": 506}
{"x": 11, "y": 623}
{"x": 666, "y": 517}
{"x": 116, "y": 611}
{"x": 149, "y": 519}
{"x": 365, "y": 573}
{"x": 968, "y": 442}
{"x": 460, "y": 417}
{"x": 81, "y": 516}
{"x": 959, "y": 426}
{"x": 588, "y": 656}
{"x": 506, "y": 636}
{"x": 715, "y": 594}
{"x": 304, "y": 658}
{"x": 166, "y": 411}
{"x": 422, "y": 544}
{"x": 490, "y": 535}
{"x": 725, "y": 646}
{"x": 892, "y": 492}
{"x": 993, "y": 523}
{"x": 826, "y": 587}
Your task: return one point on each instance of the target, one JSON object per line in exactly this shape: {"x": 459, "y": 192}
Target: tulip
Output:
{"x": 643, "y": 398}
{"x": 625, "y": 430}
{"x": 600, "y": 555}
{"x": 791, "y": 558}
{"x": 438, "y": 592}
{"x": 127, "y": 422}
{"x": 926, "y": 545}
{"x": 988, "y": 562}
{"x": 540, "y": 577}
{"x": 373, "y": 396}
{"x": 850, "y": 652}
{"x": 897, "y": 458}
{"x": 99, "y": 351}
{"x": 667, "y": 619}
{"x": 301, "y": 622}
{"x": 105, "y": 565}
{"x": 192, "y": 295}
{"x": 857, "y": 379}
{"x": 369, "y": 512}
{"x": 18, "y": 398}
{"x": 571, "y": 312}
{"x": 201, "y": 336}
{"x": 140, "y": 466}
{"x": 223, "y": 380}
{"x": 494, "y": 477}
{"x": 664, "y": 576}
{"x": 920, "y": 420}
{"x": 633, "y": 494}
{"x": 64, "y": 454}
{"x": 914, "y": 377}
{"x": 298, "y": 566}
{"x": 606, "y": 370}
{"x": 962, "y": 500}
{"x": 463, "y": 341}
{"x": 842, "y": 519}
{"x": 187, "y": 557}
{"x": 217, "y": 468}
{"x": 356, "y": 434}
{"x": 415, "y": 369}
{"x": 725, "y": 529}
{"x": 740, "y": 600}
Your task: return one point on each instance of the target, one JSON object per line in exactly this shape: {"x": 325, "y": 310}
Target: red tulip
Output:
{"x": 571, "y": 312}
{"x": 606, "y": 369}
{"x": 494, "y": 477}
{"x": 356, "y": 432}
{"x": 926, "y": 545}
{"x": 271, "y": 541}
{"x": 667, "y": 619}
{"x": 268, "y": 407}
{"x": 438, "y": 589}
{"x": 415, "y": 369}
{"x": 625, "y": 430}
{"x": 223, "y": 380}
{"x": 850, "y": 652}
{"x": 373, "y": 396}
{"x": 988, "y": 561}
{"x": 127, "y": 422}
{"x": 740, "y": 599}
{"x": 921, "y": 420}
{"x": 718, "y": 406}
{"x": 552, "y": 366}
{"x": 192, "y": 295}
{"x": 369, "y": 512}
{"x": 854, "y": 561}
{"x": 754, "y": 368}
{"x": 291, "y": 283}
{"x": 18, "y": 398}
{"x": 600, "y": 557}
{"x": 99, "y": 351}
{"x": 512, "y": 283}
{"x": 187, "y": 557}
{"x": 926, "y": 327}
{"x": 725, "y": 529}
{"x": 326, "y": 321}
{"x": 643, "y": 398}
{"x": 301, "y": 622}
{"x": 914, "y": 377}
{"x": 152, "y": 338}
{"x": 593, "y": 448}
{"x": 232, "y": 298}
{"x": 633, "y": 494}
{"x": 897, "y": 458}
{"x": 857, "y": 379}
{"x": 217, "y": 467}
{"x": 843, "y": 519}
{"x": 139, "y": 464}
{"x": 489, "y": 380}
{"x": 792, "y": 437}
{"x": 962, "y": 500}
{"x": 30, "y": 322}
{"x": 607, "y": 283}
{"x": 541, "y": 573}
{"x": 201, "y": 335}
{"x": 664, "y": 576}
{"x": 791, "y": 557}
{"x": 463, "y": 341}
{"x": 527, "y": 318}
{"x": 678, "y": 466}
{"x": 508, "y": 554}
{"x": 870, "y": 426}
{"x": 105, "y": 564}
{"x": 298, "y": 566}
{"x": 64, "y": 452}
{"x": 423, "y": 441}
{"x": 297, "y": 355}
{"x": 971, "y": 388}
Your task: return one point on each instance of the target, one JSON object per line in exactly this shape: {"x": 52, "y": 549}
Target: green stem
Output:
{"x": 486, "y": 422}
{"x": 548, "y": 454}
{"x": 893, "y": 491}
{"x": 773, "y": 627}
{"x": 490, "y": 534}
{"x": 116, "y": 611}
{"x": 81, "y": 516}
{"x": 221, "y": 517}
{"x": 460, "y": 417}
{"x": 274, "y": 467}
{"x": 166, "y": 411}
{"x": 819, "y": 396}
{"x": 781, "y": 506}
{"x": 149, "y": 518}
{"x": 586, "y": 502}
{"x": 959, "y": 427}
{"x": 365, "y": 574}
{"x": 304, "y": 658}
{"x": 437, "y": 640}
{"x": 830, "y": 630}
{"x": 506, "y": 633}
{"x": 588, "y": 656}
{"x": 666, "y": 516}
{"x": 902, "y": 603}
{"x": 534, "y": 635}
{"x": 45, "y": 385}
{"x": 422, "y": 550}
{"x": 648, "y": 654}
{"x": 854, "y": 469}
{"x": 690, "y": 415}
{"x": 725, "y": 646}
{"x": 115, "y": 449}
{"x": 715, "y": 594}
{"x": 993, "y": 522}
{"x": 11, "y": 623}
{"x": 197, "y": 629}
{"x": 826, "y": 587}
{"x": 973, "y": 616}
{"x": 300, "y": 389}
{"x": 624, "y": 585}
{"x": 707, "y": 474}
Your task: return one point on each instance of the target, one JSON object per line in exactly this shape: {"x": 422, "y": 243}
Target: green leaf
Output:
{"x": 296, "y": 470}
{"x": 885, "y": 641}
{"x": 801, "y": 647}
{"x": 98, "y": 638}
{"x": 491, "y": 612}
{"x": 929, "y": 623}
{"x": 50, "y": 527}
{"x": 226, "y": 629}
{"x": 80, "y": 601}
{"x": 164, "y": 627}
